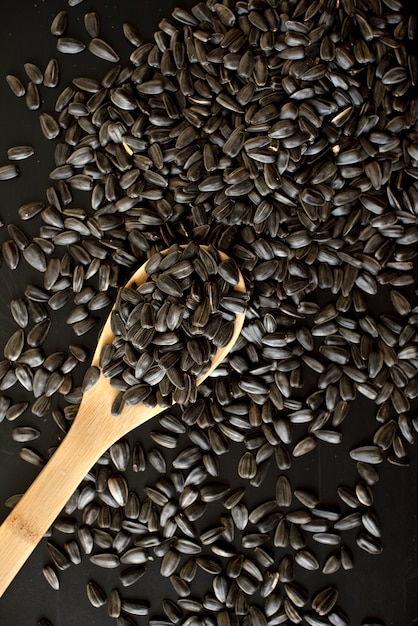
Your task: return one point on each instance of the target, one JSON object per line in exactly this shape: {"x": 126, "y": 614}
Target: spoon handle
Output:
{"x": 43, "y": 501}
{"x": 93, "y": 431}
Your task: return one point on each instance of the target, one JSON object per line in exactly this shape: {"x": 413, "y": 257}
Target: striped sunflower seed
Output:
{"x": 18, "y": 153}
{"x": 103, "y": 50}
{"x": 95, "y": 594}
{"x": 51, "y": 576}
{"x": 7, "y": 172}
{"x": 15, "y": 85}
{"x": 70, "y": 45}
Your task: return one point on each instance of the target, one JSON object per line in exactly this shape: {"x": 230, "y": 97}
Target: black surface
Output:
{"x": 384, "y": 587}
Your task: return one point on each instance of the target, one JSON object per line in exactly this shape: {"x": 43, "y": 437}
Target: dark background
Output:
{"x": 385, "y": 586}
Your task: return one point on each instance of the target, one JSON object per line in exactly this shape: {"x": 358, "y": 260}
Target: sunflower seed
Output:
{"x": 103, "y": 50}
{"x": 324, "y": 601}
{"x": 24, "y": 434}
{"x": 283, "y": 492}
{"x": 307, "y": 560}
{"x": 15, "y": 85}
{"x": 51, "y": 76}
{"x": 51, "y": 576}
{"x": 95, "y": 594}
{"x": 18, "y": 153}
{"x": 368, "y": 543}
{"x": 105, "y": 560}
{"x": 114, "y": 603}
{"x": 135, "y": 607}
{"x": 35, "y": 257}
{"x": 169, "y": 563}
{"x": 49, "y": 126}
{"x": 131, "y": 575}
{"x": 14, "y": 345}
{"x": 70, "y": 45}
{"x": 92, "y": 23}
{"x": 367, "y": 454}
{"x": 33, "y": 72}
{"x": 8, "y": 172}
{"x": 59, "y": 24}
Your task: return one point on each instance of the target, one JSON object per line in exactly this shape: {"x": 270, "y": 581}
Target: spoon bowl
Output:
{"x": 93, "y": 431}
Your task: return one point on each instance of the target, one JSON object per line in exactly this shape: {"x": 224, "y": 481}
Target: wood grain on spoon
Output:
{"x": 93, "y": 431}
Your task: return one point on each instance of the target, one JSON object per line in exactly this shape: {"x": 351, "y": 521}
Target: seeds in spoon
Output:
{"x": 168, "y": 329}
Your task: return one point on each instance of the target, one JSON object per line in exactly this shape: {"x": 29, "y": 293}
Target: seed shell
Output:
{"x": 18, "y": 153}
{"x": 59, "y": 23}
{"x": 92, "y": 23}
{"x": 70, "y": 45}
{"x": 16, "y": 85}
{"x": 7, "y": 172}
{"x": 103, "y": 50}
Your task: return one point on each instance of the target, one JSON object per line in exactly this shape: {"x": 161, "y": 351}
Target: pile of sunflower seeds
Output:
{"x": 283, "y": 133}
{"x": 168, "y": 329}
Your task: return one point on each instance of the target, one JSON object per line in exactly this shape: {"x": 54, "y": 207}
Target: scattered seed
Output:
{"x": 49, "y": 126}
{"x": 70, "y": 45}
{"x": 33, "y": 99}
{"x": 51, "y": 76}
{"x": 103, "y": 50}
{"x": 16, "y": 85}
{"x": 33, "y": 72}
{"x": 18, "y": 153}
{"x": 92, "y": 23}
{"x": 8, "y": 172}
{"x": 95, "y": 594}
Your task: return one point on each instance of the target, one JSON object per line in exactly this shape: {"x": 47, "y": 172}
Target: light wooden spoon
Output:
{"x": 93, "y": 431}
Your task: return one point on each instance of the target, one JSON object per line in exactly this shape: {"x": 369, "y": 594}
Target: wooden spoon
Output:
{"x": 93, "y": 431}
